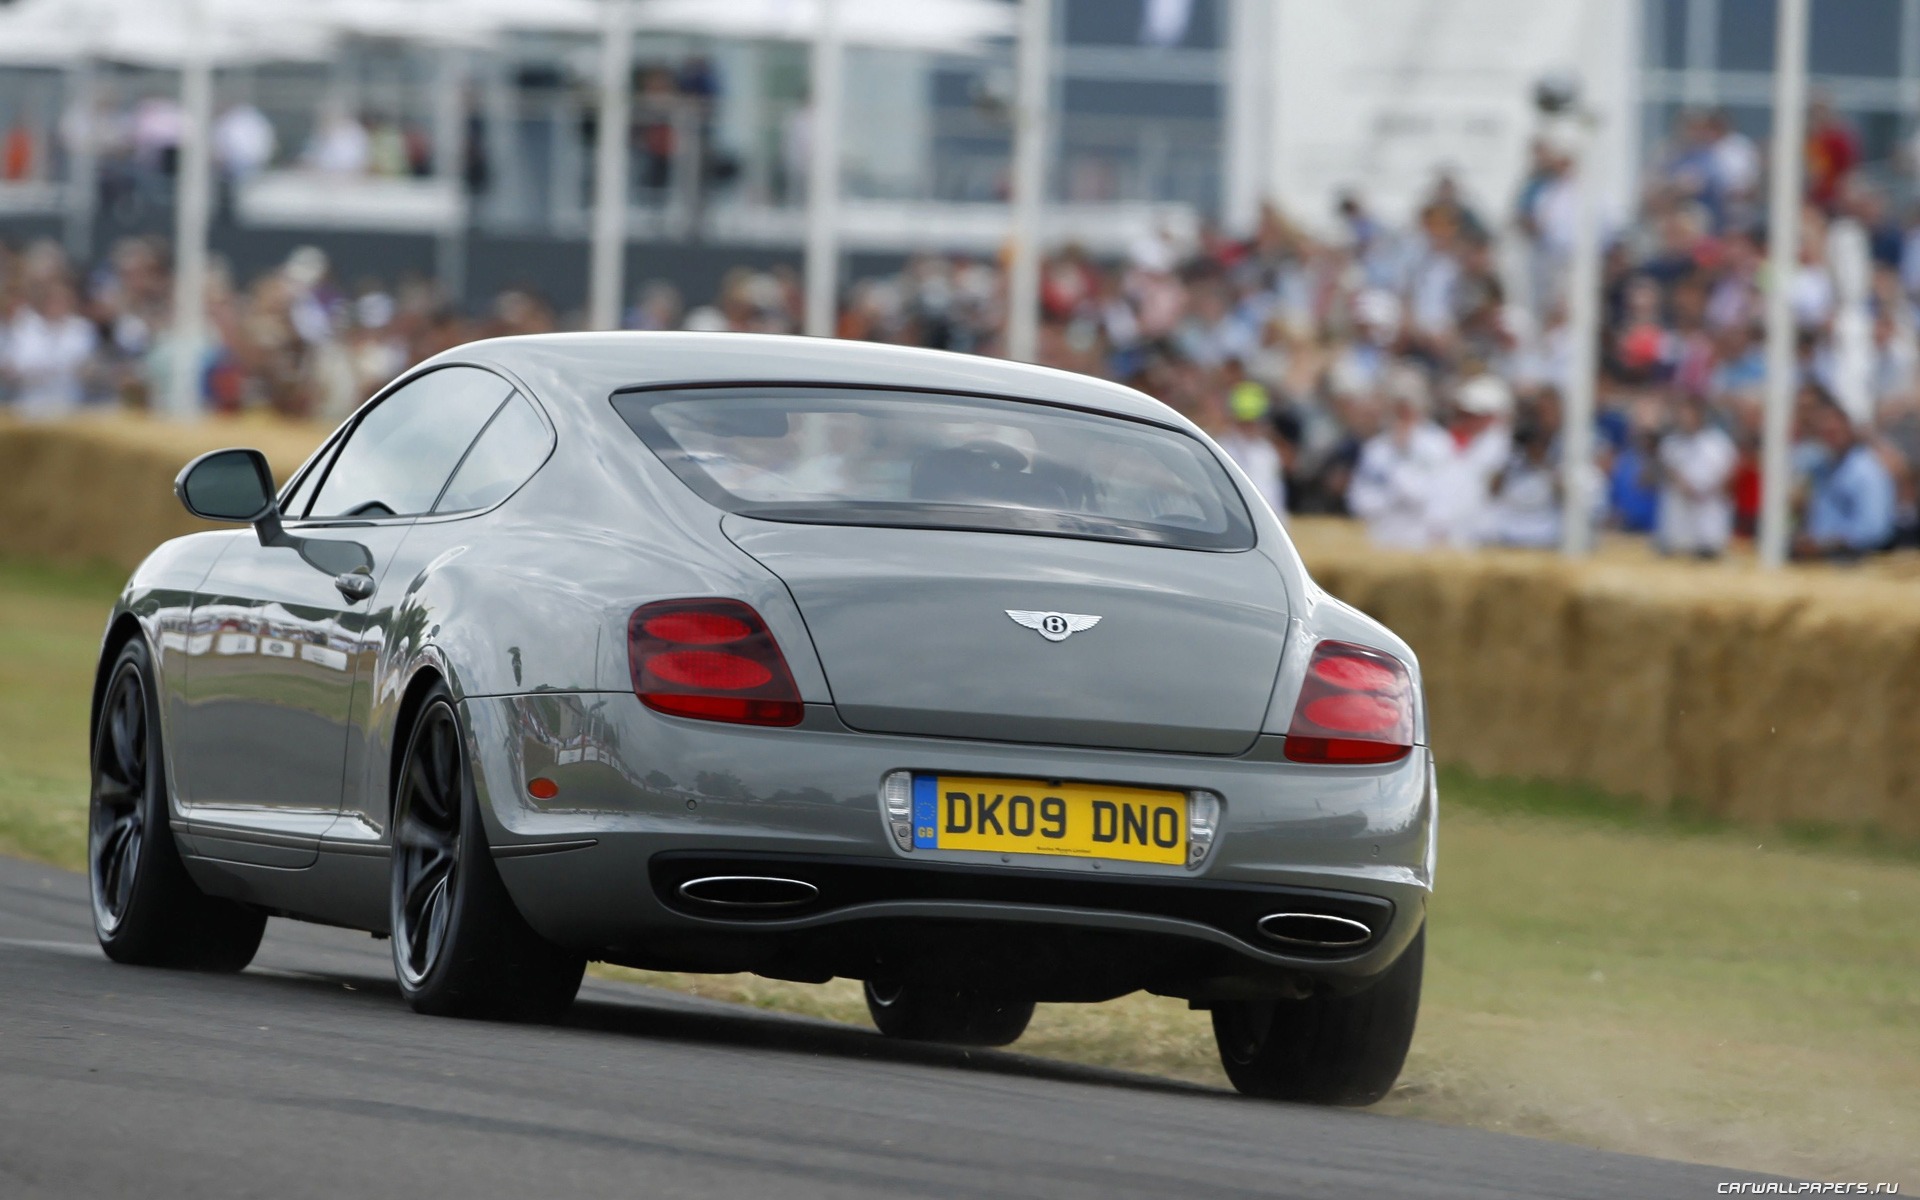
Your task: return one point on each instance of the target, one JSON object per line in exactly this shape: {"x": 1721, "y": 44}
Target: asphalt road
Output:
{"x": 306, "y": 1076}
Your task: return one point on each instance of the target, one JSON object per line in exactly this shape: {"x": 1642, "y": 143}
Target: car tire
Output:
{"x": 1326, "y": 1049}
{"x": 460, "y": 947}
{"x": 917, "y": 1012}
{"x": 147, "y": 911}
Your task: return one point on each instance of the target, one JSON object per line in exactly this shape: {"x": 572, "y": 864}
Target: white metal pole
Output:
{"x": 193, "y": 185}
{"x": 828, "y": 83}
{"x": 1249, "y": 61}
{"x": 1784, "y": 186}
{"x": 609, "y": 244}
{"x": 449, "y": 146}
{"x": 83, "y": 160}
{"x": 1029, "y": 178}
{"x": 1583, "y": 326}
{"x": 505, "y": 183}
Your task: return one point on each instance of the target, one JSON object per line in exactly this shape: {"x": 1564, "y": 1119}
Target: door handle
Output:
{"x": 354, "y": 585}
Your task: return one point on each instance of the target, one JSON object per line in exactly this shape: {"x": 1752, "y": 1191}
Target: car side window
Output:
{"x": 297, "y": 500}
{"x": 399, "y": 456}
{"x": 506, "y": 455}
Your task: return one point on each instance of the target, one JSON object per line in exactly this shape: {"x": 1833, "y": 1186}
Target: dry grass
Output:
{"x": 1595, "y": 975}
{"x": 50, "y": 627}
{"x": 1631, "y": 986}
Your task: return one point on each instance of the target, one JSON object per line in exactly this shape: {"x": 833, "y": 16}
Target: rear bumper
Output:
{"x": 644, "y": 800}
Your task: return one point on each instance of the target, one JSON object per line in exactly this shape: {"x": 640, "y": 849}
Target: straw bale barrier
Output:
{"x": 1763, "y": 699}
{"x": 100, "y": 489}
{"x": 1788, "y": 699}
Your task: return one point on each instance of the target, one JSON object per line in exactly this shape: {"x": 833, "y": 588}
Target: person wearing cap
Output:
{"x": 1394, "y": 481}
{"x": 1248, "y": 441}
{"x": 1481, "y": 444}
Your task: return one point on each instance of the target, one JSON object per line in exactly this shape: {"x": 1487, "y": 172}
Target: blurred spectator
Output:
{"x": 46, "y": 351}
{"x": 156, "y": 129}
{"x": 387, "y": 154}
{"x": 1249, "y": 441}
{"x": 659, "y": 307}
{"x": 243, "y": 142}
{"x": 1851, "y": 495}
{"x": 1633, "y": 493}
{"x": 1312, "y": 359}
{"x": 19, "y": 153}
{"x": 1833, "y": 151}
{"x": 1481, "y": 444}
{"x": 1526, "y": 507}
{"x": 1394, "y": 482}
{"x": 1735, "y": 165}
{"x": 1697, "y": 461}
{"x": 339, "y": 145}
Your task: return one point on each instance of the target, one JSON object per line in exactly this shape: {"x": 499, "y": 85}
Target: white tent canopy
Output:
{"x": 469, "y": 22}
{"x": 162, "y": 33}
{"x": 958, "y": 26}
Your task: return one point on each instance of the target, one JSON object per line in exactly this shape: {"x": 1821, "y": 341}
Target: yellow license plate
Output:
{"x": 1029, "y": 816}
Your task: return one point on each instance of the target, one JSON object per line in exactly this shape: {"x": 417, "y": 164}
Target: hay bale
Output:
{"x": 1761, "y": 698}
{"x": 100, "y": 489}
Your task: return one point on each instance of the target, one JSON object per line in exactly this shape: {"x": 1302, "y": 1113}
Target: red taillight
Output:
{"x": 1356, "y": 706}
{"x": 696, "y": 628}
{"x": 709, "y": 670}
{"x": 713, "y": 660}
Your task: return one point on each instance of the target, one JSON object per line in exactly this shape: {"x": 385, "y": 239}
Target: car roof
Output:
{"x": 592, "y": 366}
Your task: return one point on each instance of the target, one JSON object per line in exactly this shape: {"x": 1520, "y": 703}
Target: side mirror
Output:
{"x": 237, "y": 486}
{"x": 227, "y": 485}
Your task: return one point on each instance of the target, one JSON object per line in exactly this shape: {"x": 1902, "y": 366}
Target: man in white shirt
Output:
{"x": 1394, "y": 481}
{"x": 243, "y": 142}
{"x": 1481, "y": 443}
{"x": 1735, "y": 159}
{"x": 48, "y": 347}
{"x": 1526, "y": 503}
{"x": 1697, "y": 460}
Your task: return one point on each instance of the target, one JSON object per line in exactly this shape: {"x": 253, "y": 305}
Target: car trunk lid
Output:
{"x": 913, "y": 630}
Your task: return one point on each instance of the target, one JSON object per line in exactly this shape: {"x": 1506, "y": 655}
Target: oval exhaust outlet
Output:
{"x": 1321, "y": 931}
{"x": 748, "y": 891}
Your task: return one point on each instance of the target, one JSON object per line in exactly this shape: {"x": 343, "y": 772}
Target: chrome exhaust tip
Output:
{"x": 1320, "y": 931}
{"x": 748, "y": 891}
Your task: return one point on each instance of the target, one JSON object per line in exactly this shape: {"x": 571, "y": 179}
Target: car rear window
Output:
{"x": 862, "y": 456}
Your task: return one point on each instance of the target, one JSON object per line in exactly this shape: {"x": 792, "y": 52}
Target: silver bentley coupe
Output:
{"x": 981, "y": 683}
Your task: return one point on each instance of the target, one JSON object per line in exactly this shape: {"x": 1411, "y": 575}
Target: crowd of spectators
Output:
{"x": 1409, "y": 376}
{"x": 293, "y": 341}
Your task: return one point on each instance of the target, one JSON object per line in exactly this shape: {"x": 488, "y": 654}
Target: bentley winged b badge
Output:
{"x": 1053, "y": 626}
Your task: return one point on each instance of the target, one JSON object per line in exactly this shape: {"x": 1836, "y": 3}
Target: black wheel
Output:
{"x": 1326, "y": 1049}
{"x": 146, "y": 910}
{"x": 924, "y": 1013}
{"x": 460, "y": 948}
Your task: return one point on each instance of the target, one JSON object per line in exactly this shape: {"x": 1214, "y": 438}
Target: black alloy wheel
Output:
{"x": 1328, "y": 1048}
{"x": 460, "y": 947}
{"x": 426, "y": 841}
{"x": 117, "y": 826}
{"x": 146, "y": 909}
